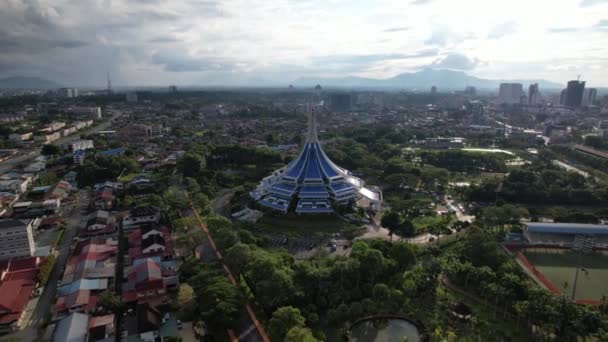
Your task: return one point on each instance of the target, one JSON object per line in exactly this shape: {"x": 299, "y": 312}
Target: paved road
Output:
{"x": 10, "y": 164}
{"x": 47, "y": 299}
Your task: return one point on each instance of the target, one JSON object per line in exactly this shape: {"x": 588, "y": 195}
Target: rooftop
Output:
{"x": 567, "y": 228}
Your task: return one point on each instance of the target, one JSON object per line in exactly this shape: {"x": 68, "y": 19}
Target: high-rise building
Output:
{"x": 534, "y": 96}
{"x": 433, "y": 90}
{"x": 340, "y": 102}
{"x": 574, "y": 93}
{"x": 475, "y": 108}
{"x": 589, "y": 95}
{"x": 109, "y": 90}
{"x": 470, "y": 91}
{"x": 173, "y": 89}
{"x": 510, "y": 93}
{"x": 67, "y": 92}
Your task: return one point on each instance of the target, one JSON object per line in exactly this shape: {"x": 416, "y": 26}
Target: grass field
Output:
{"x": 560, "y": 268}
{"x": 297, "y": 225}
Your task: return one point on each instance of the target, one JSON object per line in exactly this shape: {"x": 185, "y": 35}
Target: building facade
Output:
{"x": 510, "y": 93}
{"x": 574, "y": 93}
{"x": 312, "y": 183}
{"x": 16, "y": 238}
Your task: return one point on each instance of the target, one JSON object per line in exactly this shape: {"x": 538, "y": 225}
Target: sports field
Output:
{"x": 559, "y": 267}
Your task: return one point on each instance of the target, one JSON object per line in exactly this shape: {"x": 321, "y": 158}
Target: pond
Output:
{"x": 388, "y": 330}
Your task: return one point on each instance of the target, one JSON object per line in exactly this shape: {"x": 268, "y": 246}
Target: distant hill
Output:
{"x": 424, "y": 79}
{"x": 27, "y": 83}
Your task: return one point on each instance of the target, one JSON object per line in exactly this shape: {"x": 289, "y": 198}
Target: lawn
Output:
{"x": 423, "y": 223}
{"x": 560, "y": 268}
{"x": 130, "y": 176}
{"x": 296, "y": 225}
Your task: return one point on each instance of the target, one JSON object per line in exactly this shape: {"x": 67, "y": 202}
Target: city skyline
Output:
{"x": 149, "y": 42}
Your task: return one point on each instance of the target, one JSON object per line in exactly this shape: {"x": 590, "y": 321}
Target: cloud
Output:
{"x": 421, "y": 2}
{"x": 397, "y": 29}
{"x": 587, "y": 3}
{"x": 456, "y": 61}
{"x": 602, "y": 24}
{"x": 164, "y": 39}
{"x": 502, "y": 30}
{"x": 373, "y": 58}
{"x": 184, "y": 63}
{"x": 445, "y": 37}
{"x": 564, "y": 29}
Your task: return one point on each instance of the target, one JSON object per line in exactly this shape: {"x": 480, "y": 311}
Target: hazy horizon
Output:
{"x": 247, "y": 43}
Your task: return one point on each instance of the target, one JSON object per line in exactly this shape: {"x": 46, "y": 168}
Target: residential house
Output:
{"x": 89, "y": 271}
{"x": 141, "y": 216}
{"x": 17, "y": 283}
{"x": 72, "y": 328}
{"x": 21, "y": 136}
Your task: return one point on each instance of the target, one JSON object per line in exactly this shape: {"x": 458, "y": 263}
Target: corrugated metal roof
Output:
{"x": 567, "y": 228}
{"x": 73, "y": 328}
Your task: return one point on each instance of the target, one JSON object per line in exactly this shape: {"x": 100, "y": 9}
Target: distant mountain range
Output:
{"x": 27, "y": 83}
{"x": 423, "y": 80}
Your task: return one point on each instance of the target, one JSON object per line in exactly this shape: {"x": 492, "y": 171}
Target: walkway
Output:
{"x": 257, "y": 334}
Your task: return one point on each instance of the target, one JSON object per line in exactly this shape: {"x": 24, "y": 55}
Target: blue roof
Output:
{"x": 567, "y": 228}
{"x": 296, "y": 169}
{"x": 312, "y": 169}
{"x": 284, "y": 186}
{"x": 83, "y": 284}
{"x": 325, "y": 164}
{"x": 341, "y": 187}
{"x": 113, "y": 152}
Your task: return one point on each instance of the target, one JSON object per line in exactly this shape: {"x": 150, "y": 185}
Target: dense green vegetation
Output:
{"x": 464, "y": 161}
{"x": 101, "y": 168}
{"x": 541, "y": 183}
{"x": 479, "y": 265}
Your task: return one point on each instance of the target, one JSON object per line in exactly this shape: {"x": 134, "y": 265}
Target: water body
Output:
{"x": 392, "y": 330}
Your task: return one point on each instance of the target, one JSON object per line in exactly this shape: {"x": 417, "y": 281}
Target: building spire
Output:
{"x": 311, "y": 136}
{"x": 109, "y": 84}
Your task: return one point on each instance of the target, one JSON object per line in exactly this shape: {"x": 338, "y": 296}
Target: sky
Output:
{"x": 257, "y": 42}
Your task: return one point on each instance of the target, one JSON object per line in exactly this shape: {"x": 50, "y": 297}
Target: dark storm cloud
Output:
{"x": 34, "y": 29}
{"x": 456, "y": 61}
{"x": 182, "y": 63}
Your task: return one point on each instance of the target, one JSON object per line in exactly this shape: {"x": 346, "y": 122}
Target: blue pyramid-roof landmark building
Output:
{"x": 312, "y": 183}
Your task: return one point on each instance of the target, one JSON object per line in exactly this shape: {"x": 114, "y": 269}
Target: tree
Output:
{"x": 47, "y": 178}
{"x": 191, "y": 164}
{"x": 220, "y": 302}
{"x": 110, "y": 301}
{"x": 49, "y": 150}
{"x": 283, "y": 320}
{"x": 299, "y": 334}
{"x": 391, "y": 220}
{"x": 403, "y": 254}
{"x": 46, "y": 267}
{"x": 172, "y": 339}
{"x": 185, "y": 295}
{"x": 406, "y": 229}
